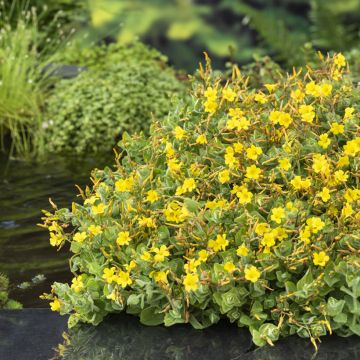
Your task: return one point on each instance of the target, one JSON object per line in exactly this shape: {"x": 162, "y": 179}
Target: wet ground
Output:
{"x": 25, "y": 253}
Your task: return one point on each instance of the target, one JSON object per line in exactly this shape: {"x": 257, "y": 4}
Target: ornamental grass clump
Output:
{"x": 243, "y": 204}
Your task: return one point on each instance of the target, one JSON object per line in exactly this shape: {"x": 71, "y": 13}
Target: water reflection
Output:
{"x": 123, "y": 337}
{"x": 25, "y": 188}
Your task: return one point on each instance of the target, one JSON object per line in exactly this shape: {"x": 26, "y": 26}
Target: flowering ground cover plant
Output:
{"x": 243, "y": 204}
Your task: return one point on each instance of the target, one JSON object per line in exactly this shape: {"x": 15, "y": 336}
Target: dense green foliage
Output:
{"x": 5, "y": 302}
{"x": 242, "y": 204}
{"x": 286, "y": 29}
{"x": 122, "y": 89}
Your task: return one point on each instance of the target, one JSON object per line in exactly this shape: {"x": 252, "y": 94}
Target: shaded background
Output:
{"x": 237, "y": 30}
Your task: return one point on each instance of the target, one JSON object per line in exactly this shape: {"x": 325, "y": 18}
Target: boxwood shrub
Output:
{"x": 243, "y": 204}
{"x": 121, "y": 90}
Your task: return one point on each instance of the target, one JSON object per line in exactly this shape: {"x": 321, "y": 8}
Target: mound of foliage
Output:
{"x": 243, "y": 204}
{"x": 5, "y": 302}
{"x": 123, "y": 88}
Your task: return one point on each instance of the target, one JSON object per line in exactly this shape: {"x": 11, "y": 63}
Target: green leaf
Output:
{"x": 304, "y": 285}
{"x": 334, "y": 307}
{"x": 151, "y": 316}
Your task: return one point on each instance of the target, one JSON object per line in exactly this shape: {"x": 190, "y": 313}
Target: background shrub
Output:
{"x": 243, "y": 204}
{"x": 123, "y": 87}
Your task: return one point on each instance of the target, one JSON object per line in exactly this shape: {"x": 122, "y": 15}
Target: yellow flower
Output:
{"x": 320, "y": 259}
{"x": 299, "y": 184}
{"x": 56, "y": 239}
{"x": 219, "y": 244}
{"x": 326, "y": 89}
{"x": 315, "y": 224}
{"x": 277, "y": 214}
{"x": 130, "y": 266}
{"x": 179, "y": 133}
{"x": 229, "y": 94}
{"x": 268, "y": 240}
{"x": 160, "y": 276}
{"x": 210, "y": 106}
{"x": 230, "y": 160}
{"x": 280, "y": 233}
{"x": 210, "y": 93}
{"x": 324, "y": 141}
{"x": 91, "y": 200}
{"x": 123, "y": 279}
{"x": 260, "y": 98}
{"x": 174, "y": 165}
{"x": 320, "y": 164}
{"x": 336, "y": 74}
{"x": 191, "y": 265}
{"x": 77, "y": 284}
{"x": 253, "y": 172}
{"x": 201, "y": 139}
{"x": 352, "y": 147}
{"x": 229, "y": 267}
{"x": 243, "y": 194}
{"x": 307, "y": 113}
{"x": 305, "y": 235}
{"x": 284, "y": 164}
{"x": 98, "y": 209}
{"x": 152, "y": 196}
{"x": 236, "y": 113}
{"x": 262, "y": 228}
{"x": 216, "y": 204}
{"x": 176, "y": 213}
{"x": 352, "y": 195}
{"x": 224, "y": 176}
{"x": 146, "y": 256}
{"x": 203, "y": 255}
{"x": 290, "y": 206}
{"x": 349, "y": 114}
{"x": 238, "y": 123}
{"x": 148, "y": 222}
{"x": 313, "y": 89}
{"x": 253, "y": 152}
{"x": 55, "y": 305}
{"x": 124, "y": 185}
{"x": 252, "y": 274}
{"x": 297, "y": 95}
{"x": 339, "y": 60}
{"x": 109, "y": 274}
{"x": 340, "y": 176}
{"x": 280, "y": 117}
{"x": 238, "y": 147}
{"x": 271, "y": 87}
{"x": 80, "y": 236}
{"x": 169, "y": 150}
{"x": 242, "y": 250}
{"x": 343, "y": 161}
{"x": 337, "y": 128}
{"x": 94, "y": 230}
{"x": 160, "y": 253}
{"x": 191, "y": 282}
{"x": 325, "y": 194}
{"x": 347, "y": 210}
{"x": 123, "y": 238}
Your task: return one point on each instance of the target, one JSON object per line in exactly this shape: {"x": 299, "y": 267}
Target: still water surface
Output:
{"x": 25, "y": 253}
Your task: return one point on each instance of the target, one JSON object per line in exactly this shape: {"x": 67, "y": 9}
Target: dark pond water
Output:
{"x": 25, "y": 252}
{"x": 123, "y": 337}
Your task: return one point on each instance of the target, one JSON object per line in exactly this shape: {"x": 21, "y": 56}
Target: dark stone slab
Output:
{"x": 30, "y": 334}
{"x": 33, "y": 334}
